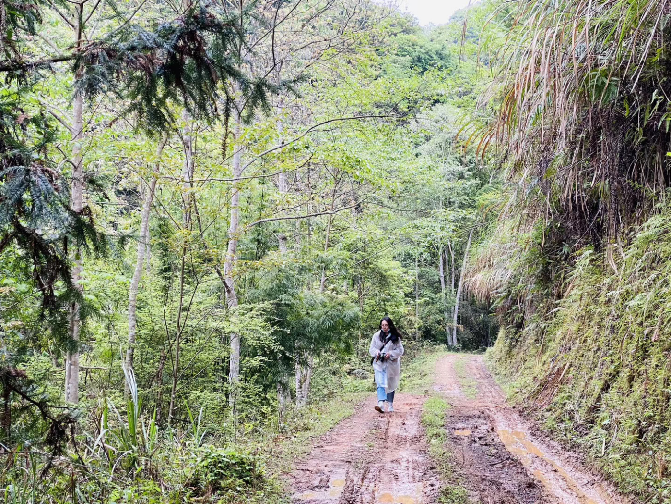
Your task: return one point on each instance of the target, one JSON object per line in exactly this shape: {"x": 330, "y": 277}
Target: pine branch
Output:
{"x": 13, "y": 66}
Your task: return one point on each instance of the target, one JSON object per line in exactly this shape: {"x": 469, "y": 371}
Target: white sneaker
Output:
{"x": 390, "y": 408}
{"x": 379, "y": 408}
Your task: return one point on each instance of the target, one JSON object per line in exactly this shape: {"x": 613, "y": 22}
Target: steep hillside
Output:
{"x": 577, "y": 263}
{"x": 594, "y": 364}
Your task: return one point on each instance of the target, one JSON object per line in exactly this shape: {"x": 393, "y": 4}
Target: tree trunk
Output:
{"x": 459, "y": 288}
{"x": 77, "y": 204}
{"x": 143, "y": 245}
{"x": 449, "y": 336}
{"x": 159, "y": 384}
{"x": 187, "y": 176}
{"x": 417, "y": 297}
{"x": 178, "y": 338}
{"x": 302, "y": 375}
{"x": 284, "y": 395}
{"x": 229, "y": 281}
{"x": 442, "y": 277}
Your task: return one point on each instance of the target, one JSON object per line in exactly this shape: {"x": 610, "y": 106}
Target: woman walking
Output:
{"x": 386, "y": 350}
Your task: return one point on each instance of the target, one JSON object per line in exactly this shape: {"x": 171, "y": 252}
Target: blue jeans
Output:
{"x": 383, "y": 396}
{"x": 381, "y": 383}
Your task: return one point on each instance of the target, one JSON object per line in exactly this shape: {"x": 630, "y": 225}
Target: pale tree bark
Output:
{"x": 459, "y": 288}
{"x": 229, "y": 261}
{"x": 444, "y": 297}
{"x": 143, "y": 245}
{"x": 449, "y": 336}
{"x": 417, "y": 297}
{"x": 284, "y": 395}
{"x": 159, "y": 384}
{"x": 77, "y": 204}
{"x": 302, "y": 378}
{"x": 283, "y": 187}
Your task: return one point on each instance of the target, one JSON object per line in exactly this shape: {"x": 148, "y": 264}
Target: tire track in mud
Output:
{"x": 369, "y": 459}
{"x": 501, "y": 457}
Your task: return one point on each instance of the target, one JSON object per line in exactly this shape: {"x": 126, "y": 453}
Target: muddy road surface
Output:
{"x": 371, "y": 458}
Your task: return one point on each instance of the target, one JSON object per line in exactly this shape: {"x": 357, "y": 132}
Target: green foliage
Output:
{"x": 600, "y": 378}
{"x": 375, "y": 184}
{"x": 224, "y": 470}
{"x": 586, "y": 118}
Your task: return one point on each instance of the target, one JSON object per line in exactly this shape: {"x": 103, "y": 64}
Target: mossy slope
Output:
{"x": 595, "y": 364}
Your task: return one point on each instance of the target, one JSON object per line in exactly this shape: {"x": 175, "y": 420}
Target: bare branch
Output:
{"x": 299, "y": 217}
{"x": 12, "y": 66}
{"x": 57, "y": 113}
{"x": 309, "y": 130}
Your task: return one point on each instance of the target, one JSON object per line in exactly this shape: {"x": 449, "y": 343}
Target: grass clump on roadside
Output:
{"x": 467, "y": 382}
{"x": 433, "y": 420}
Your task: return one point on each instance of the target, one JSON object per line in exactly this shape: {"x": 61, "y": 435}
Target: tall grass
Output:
{"x": 585, "y": 113}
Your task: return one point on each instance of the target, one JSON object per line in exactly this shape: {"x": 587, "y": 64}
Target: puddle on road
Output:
{"x": 388, "y": 498}
{"x": 334, "y": 491}
{"x": 518, "y": 444}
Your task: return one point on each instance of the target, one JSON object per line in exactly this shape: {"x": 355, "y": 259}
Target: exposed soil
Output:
{"x": 372, "y": 458}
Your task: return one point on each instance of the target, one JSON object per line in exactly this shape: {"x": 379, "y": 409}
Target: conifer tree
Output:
{"x": 187, "y": 62}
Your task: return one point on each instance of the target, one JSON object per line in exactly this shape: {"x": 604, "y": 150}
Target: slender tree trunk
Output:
{"x": 229, "y": 281}
{"x": 444, "y": 297}
{"x": 302, "y": 376}
{"x": 6, "y": 420}
{"x": 159, "y": 384}
{"x": 459, "y": 288}
{"x": 187, "y": 176}
{"x": 417, "y": 297}
{"x": 323, "y": 278}
{"x": 283, "y": 187}
{"x": 143, "y": 246}
{"x": 452, "y": 268}
{"x": 284, "y": 395}
{"x": 77, "y": 204}
{"x": 178, "y": 338}
{"x": 449, "y": 336}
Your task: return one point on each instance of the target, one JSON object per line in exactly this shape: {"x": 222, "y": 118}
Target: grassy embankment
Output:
{"x": 594, "y": 367}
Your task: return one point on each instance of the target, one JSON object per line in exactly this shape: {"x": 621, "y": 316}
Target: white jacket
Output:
{"x": 392, "y": 364}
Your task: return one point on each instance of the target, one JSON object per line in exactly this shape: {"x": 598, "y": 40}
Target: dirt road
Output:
{"x": 372, "y": 458}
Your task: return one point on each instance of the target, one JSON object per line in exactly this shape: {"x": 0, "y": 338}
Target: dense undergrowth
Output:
{"x": 595, "y": 365}
{"x": 121, "y": 456}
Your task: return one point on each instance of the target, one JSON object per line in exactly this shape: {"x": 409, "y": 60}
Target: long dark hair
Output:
{"x": 394, "y": 334}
